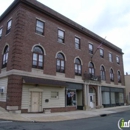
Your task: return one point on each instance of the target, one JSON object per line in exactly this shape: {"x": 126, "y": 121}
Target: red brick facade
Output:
{"x": 14, "y": 91}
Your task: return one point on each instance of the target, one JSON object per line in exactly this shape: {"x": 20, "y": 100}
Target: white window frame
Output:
{"x": 55, "y": 93}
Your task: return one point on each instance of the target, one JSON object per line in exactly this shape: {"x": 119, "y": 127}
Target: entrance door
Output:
{"x": 92, "y": 100}
{"x": 35, "y": 101}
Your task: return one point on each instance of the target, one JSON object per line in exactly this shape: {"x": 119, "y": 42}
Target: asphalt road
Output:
{"x": 97, "y": 123}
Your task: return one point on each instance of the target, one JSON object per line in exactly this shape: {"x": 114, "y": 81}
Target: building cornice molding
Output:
{"x": 37, "y": 75}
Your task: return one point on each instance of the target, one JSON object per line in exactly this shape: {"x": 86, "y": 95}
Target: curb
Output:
{"x": 33, "y": 121}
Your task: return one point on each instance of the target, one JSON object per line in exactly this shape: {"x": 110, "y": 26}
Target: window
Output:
{"x": 102, "y": 53}
{"x": 71, "y": 98}
{"x": 0, "y": 33}
{"x": 91, "y": 68}
{"x": 9, "y": 23}
{"x": 61, "y": 36}
{"x": 54, "y": 94}
{"x": 5, "y": 57}
{"x": 40, "y": 27}
{"x": 77, "y": 43}
{"x": 60, "y": 63}
{"x": 117, "y": 60}
{"x": 37, "y": 57}
{"x": 119, "y": 77}
{"x": 90, "y": 48}
{"x": 77, "y": 67}
{"x": 110, "y": 57}
{"x": 111, "y": 75}
{"x": 102, "y": 72}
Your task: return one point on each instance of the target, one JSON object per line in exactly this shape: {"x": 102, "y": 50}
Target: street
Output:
{"x": 97, "y": 123}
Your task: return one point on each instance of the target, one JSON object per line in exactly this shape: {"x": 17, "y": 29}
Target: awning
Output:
{"x": 40, "y": 81}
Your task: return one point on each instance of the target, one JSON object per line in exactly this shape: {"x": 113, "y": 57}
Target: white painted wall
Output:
{"x": 3, "y": 83}
{"x": 46, "y": 94}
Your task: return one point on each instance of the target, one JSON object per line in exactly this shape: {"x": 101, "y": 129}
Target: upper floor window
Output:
{"x": 110, "y": 57}
{"x": 5, "y": 57}
{"x": 78, "y": 67}
{"x": 119, "y": 76}
{"x": 111, "y": 75}
{"x": 38, "y": 57}
{"x": 90, "y": 48}
{"x": 60, "y": 65}
{"x": 40, "y": 27}
{"x": 102, "y": 53}
{"x": 61, "y": 36}
{"x": 0, "y": 33}
{"x": 77, "y": 43}
{"x": 102, "y": 72}
{"x": 117, "y": 60}
{"x": 91, "y": 68}
{"x": 9, "y": 24}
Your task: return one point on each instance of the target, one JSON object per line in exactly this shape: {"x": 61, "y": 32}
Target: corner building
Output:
{"x": 49, "y": 62}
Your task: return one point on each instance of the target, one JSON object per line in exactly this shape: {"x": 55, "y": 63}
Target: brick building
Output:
{"x": 49, "y": 62}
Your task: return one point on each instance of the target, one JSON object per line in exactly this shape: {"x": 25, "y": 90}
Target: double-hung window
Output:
{"x": 111, "y": 75}
{"x": 117, "y": 60}
{"x": 61, "y": 36}
{"x": 5, "y": 57}
{"x": 110, "y": 57}
{"x": 78, "y": 67}
{"x": 90, "y": 48}
{"x": 0, "y": 33}
{"x": 60, "y": 65}
{"x": 9, "y": 24}
{"x": 77, "y": 43}
{"x": 102, "y": 53}
{"x": 40, "y": 27}
{"x": 38, "y": 57}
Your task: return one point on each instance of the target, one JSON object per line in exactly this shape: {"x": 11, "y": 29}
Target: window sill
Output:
{"x": 39, "y": 71}
{"x": 61, "y": 42}
{"x": 3, "y": 69}
{"x": 7, "y": 34}
{"x": 60, "y": 75}
{"x": 39, "y": 34}
{"x": 101, "y": 57}
{"x": 77, "y": 49}
{"x": 78, "y": 77}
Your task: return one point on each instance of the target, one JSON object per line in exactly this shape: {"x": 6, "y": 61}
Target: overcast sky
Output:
{"x": 109, "y": 18}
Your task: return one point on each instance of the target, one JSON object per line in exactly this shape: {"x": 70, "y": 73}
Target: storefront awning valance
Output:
{"x": 40, "y": 81}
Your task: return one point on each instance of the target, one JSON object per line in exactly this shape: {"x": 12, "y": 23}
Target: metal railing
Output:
{"x": 87, "y": 76}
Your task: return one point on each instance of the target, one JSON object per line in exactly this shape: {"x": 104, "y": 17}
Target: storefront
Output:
{"x": 74, "y": 95}
{"x": 112, "y": 96}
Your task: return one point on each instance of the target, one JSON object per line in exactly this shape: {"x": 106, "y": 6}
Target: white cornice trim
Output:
{"x": 60, "y": 78}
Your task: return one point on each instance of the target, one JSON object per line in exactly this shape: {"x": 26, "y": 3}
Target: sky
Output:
{"x": 107, "y": 18}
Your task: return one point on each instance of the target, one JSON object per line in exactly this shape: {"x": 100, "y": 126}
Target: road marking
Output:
{"x": 5, "y": 121}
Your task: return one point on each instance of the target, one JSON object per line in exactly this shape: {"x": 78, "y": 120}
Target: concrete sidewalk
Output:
{"x": 62, "y": 116}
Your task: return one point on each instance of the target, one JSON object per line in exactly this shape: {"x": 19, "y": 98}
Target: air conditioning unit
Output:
{"x": 2, "y": 90}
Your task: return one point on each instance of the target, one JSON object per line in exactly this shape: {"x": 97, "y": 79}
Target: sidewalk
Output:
{"x": 62, "y": 116}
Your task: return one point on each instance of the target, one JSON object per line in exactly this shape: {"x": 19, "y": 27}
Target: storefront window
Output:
{"x": 71, "y": 98}
{"x": 121, "y": 98}
{"x": 113, "y": 98}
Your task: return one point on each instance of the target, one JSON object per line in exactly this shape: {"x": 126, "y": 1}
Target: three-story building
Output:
{"x": 50, "y": 62}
